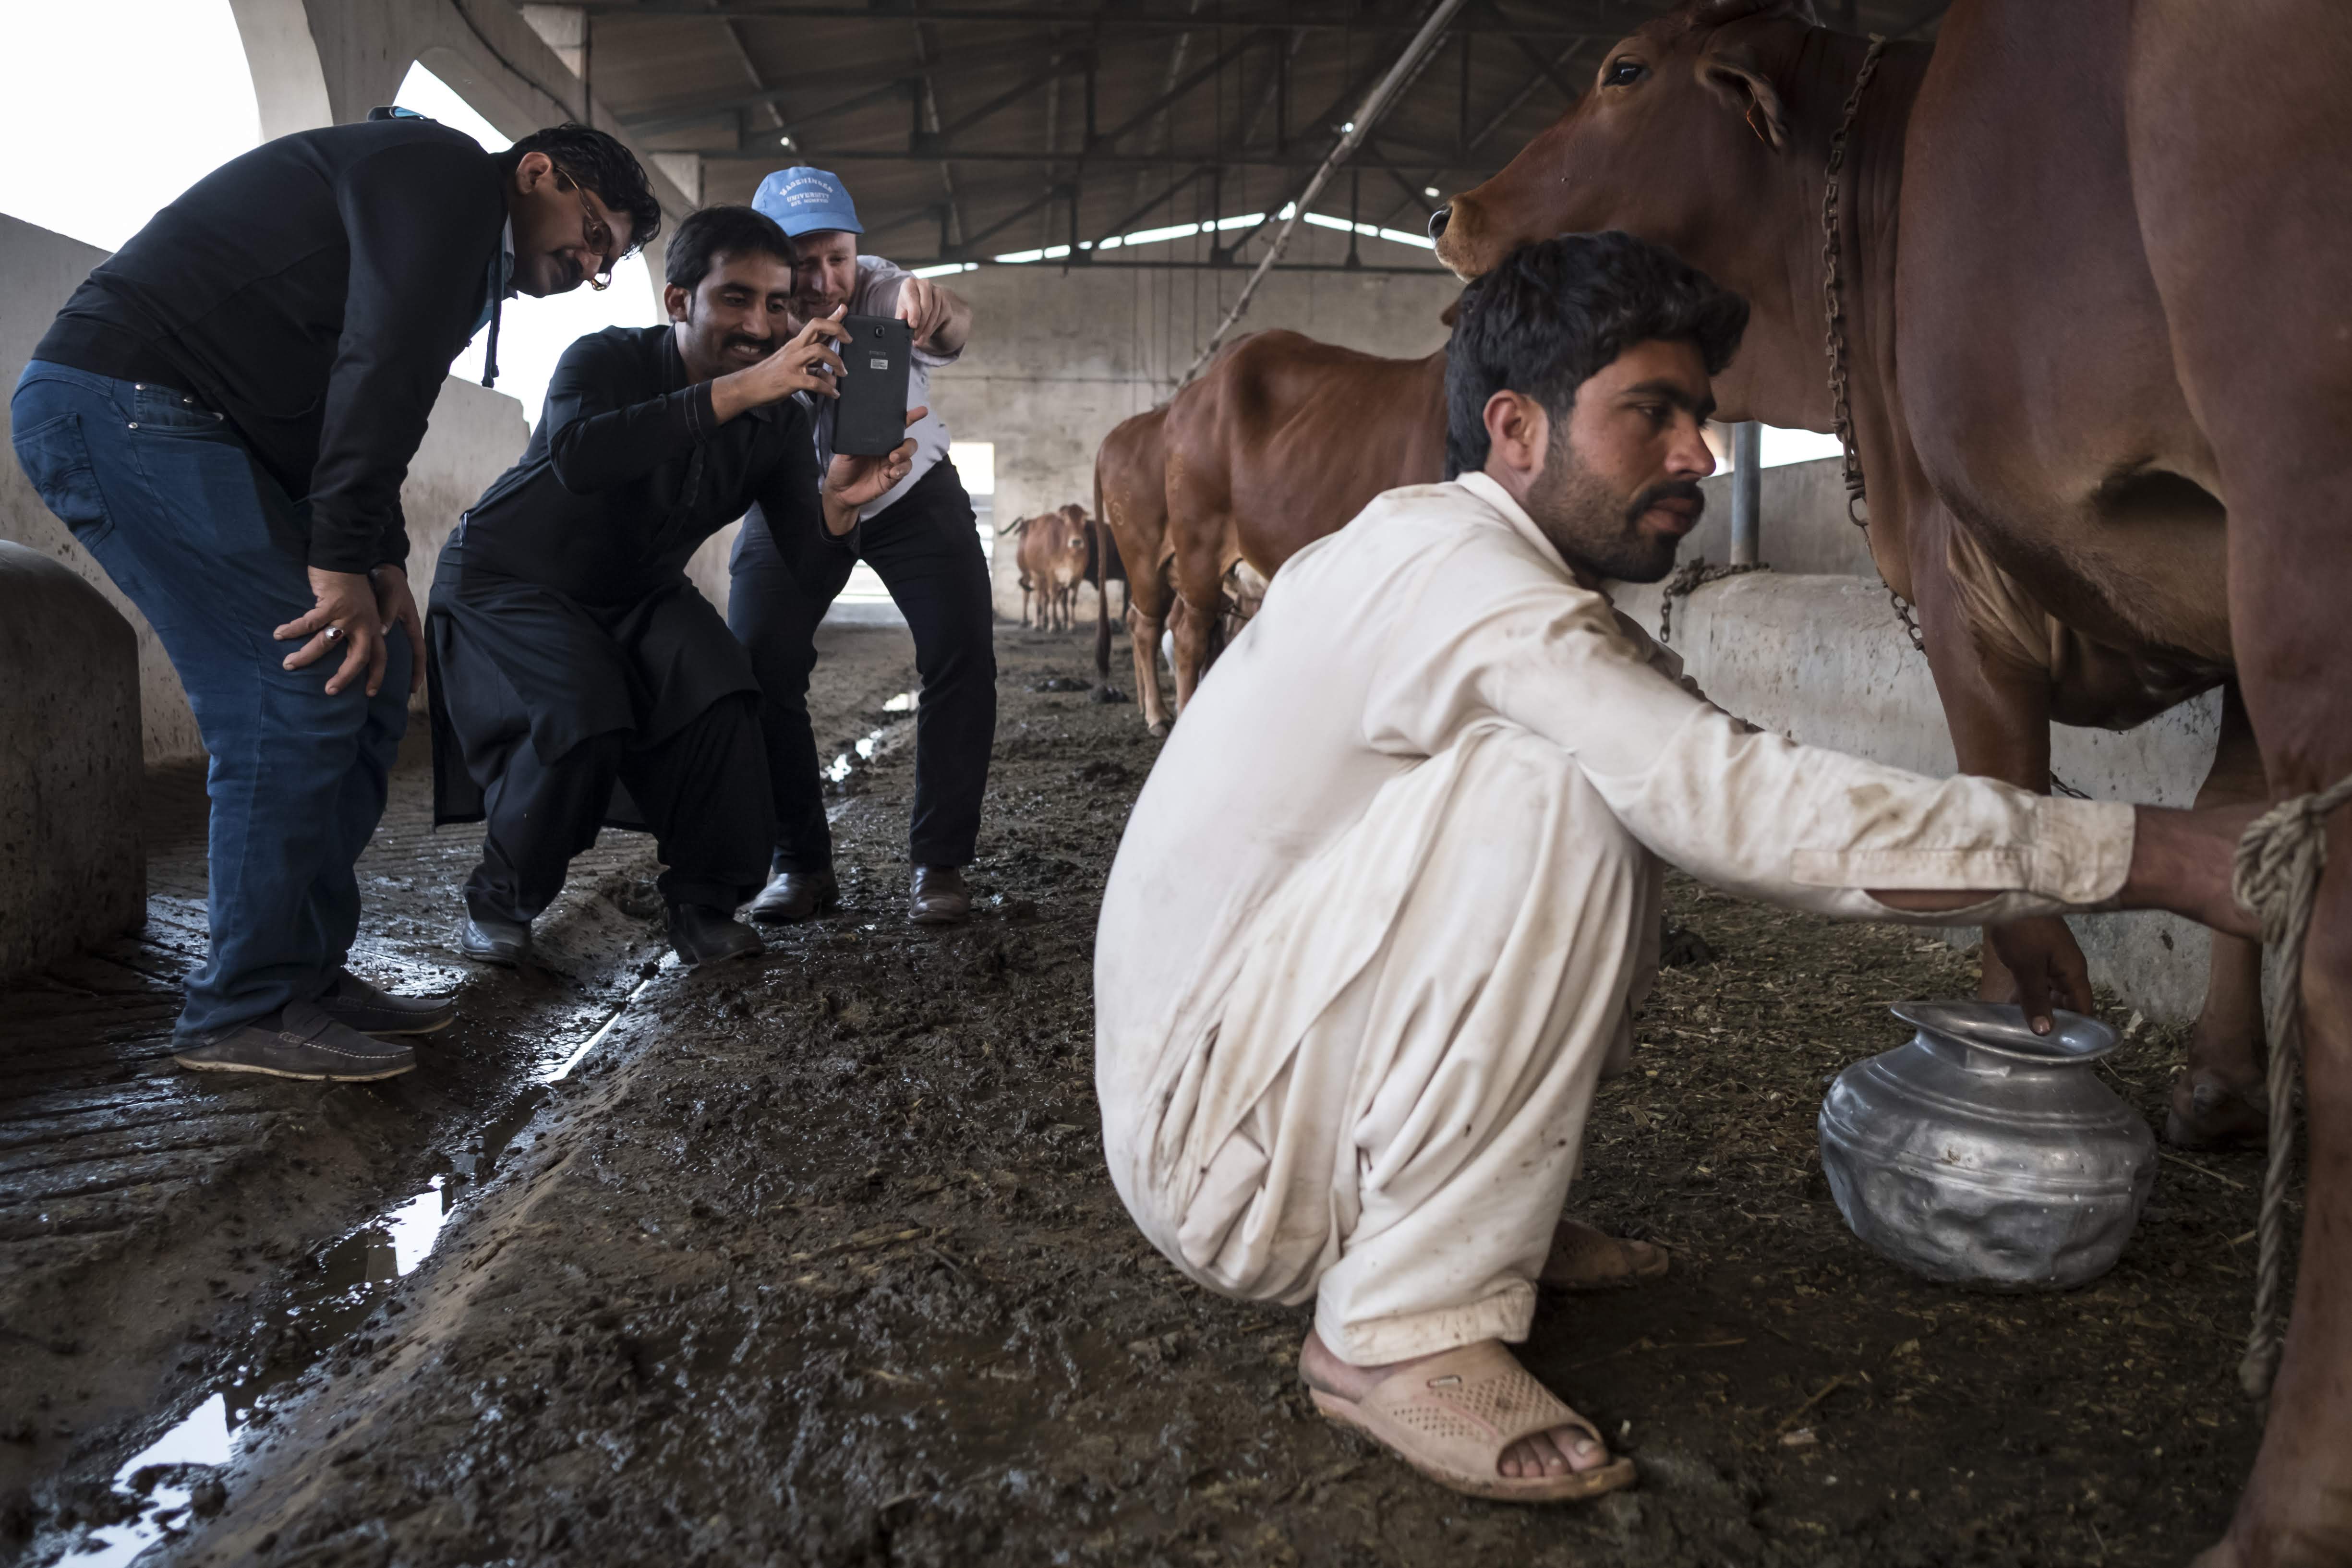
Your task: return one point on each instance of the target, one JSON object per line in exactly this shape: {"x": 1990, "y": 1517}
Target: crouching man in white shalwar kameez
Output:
{"x": 1385, "y": 909}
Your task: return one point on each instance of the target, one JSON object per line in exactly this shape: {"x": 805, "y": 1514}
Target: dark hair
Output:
{"x": 589, "y": 157}
{"x": 735, "y": 230}
{"x": 1553, "y": 314}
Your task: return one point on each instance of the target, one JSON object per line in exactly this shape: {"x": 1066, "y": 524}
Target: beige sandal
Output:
{"x": 1584, "y": 1258}
{"x": 1451, "y": 1417}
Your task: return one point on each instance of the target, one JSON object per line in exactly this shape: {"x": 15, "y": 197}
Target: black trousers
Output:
{"x": 703, "y": 793}
{"x": 925, "y": 546}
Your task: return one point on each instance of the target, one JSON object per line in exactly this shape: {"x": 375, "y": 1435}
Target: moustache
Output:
{"x": 1673, "y": 489}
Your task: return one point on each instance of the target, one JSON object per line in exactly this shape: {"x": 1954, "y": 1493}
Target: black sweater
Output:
{"x": 630, "y": 471}
{"x": 314, "y": 291}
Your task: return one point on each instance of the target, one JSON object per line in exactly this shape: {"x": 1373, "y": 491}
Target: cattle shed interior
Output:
{"x": 814, "y": 1261}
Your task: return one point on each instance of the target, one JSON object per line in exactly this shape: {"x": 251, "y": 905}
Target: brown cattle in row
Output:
{"x": 2101, "y": 403}
{"x": 1052, "y": 556}
{"x": 1280, "y": 441}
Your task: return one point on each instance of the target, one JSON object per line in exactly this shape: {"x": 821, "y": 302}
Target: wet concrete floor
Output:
{"x": 813, "y": 1259}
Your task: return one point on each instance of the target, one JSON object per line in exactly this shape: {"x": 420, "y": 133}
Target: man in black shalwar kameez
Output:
{"x": 579, "y": 680}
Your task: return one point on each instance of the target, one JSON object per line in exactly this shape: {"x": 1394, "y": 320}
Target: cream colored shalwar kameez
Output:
{"x": 1387, "y": 904}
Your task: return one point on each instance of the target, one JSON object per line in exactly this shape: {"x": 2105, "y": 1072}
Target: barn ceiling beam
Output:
{"x": 1526, "y": 91}
{"x": 657, "y": 118}
{"x": 1280, "y": 18}
{"x": 1061, "y": 64}
{"x": 973, "y": 241}
{"x": 1300, "y": 159}
{"x": 1395, "y": 84}
{"x": 1190, "y": 81}
{"x": 1543, "y": 62}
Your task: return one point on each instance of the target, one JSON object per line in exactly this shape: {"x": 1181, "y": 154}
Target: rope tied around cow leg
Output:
{"x": 2276, "y": 876}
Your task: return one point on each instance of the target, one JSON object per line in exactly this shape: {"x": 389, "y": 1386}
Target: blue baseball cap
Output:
{"x": 804, "y": 200}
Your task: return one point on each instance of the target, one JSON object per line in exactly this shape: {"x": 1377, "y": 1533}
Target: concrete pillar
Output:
{"x": 288, "y": 84}
{"x": 73, "y": 868}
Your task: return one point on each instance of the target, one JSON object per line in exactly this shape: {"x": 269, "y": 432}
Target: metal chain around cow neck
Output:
{"x": 1841, "y": 407}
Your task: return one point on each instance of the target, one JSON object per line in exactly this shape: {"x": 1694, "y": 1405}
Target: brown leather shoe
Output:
{"x": 796, "y": 896}
{"x": 940, "y": 897}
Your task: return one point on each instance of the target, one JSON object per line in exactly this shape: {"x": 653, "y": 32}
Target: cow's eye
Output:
{"x": 1623, "y": 73}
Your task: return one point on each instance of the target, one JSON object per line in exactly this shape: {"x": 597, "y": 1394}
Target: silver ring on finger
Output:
{"x": 332, "y": 633}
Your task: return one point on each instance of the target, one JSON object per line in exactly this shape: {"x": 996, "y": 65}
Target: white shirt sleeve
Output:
{"x": 1493, "y": 636}
{"x": 878, "y": 282}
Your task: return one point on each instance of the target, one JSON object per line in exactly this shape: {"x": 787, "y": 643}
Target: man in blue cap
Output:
{"x": 920, "y": 538}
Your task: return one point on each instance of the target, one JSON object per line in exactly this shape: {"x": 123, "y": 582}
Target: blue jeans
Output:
{"x": 211, "y": 549}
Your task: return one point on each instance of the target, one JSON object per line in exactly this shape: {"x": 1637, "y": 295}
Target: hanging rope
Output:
{"x": 2276, "y": 876}
{"x": 1399, "y": 76}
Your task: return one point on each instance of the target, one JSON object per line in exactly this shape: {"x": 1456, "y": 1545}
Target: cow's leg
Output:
{"x": 1995, "y": 697}
{"x": 2218, "y": 1098}
{"x": 1147, "y": 617}
{"x": 1200, "y": 585}
{"x": 1193, "y": 627}
{"x": 2244, "y": 194}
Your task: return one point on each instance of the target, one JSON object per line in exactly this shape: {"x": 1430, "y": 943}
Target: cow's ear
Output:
{"x": 1729, "y": 71}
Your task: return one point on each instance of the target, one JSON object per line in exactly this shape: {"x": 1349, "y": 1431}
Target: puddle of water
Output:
{"x": 870, "y": 744}
{"x": 902, "y": 704}
{"x": 330, "y": 1302}
{"x": 202, "y": 1440}
{"x": 560, "y": 1070}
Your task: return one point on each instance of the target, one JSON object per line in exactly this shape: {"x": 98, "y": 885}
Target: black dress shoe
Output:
{"x": 356, "y": 1005}
{"x": 301, "y": 1042}
{"x": 699, "y": 934}
{"x": 940, "y": 897}
{"x": 503, "y": 942}
{"x": 796, "y": 896}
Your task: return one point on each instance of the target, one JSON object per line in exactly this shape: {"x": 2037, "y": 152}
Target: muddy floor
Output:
{"x": 812, "y": 1261}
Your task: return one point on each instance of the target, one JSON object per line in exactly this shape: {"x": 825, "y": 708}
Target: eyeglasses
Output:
{"x": 597, "y": 235}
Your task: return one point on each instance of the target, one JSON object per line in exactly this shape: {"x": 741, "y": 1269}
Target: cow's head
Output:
{"x": 1678, "y": 142}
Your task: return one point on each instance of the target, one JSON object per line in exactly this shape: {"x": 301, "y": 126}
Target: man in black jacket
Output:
{"x": 570, "y": 654}
{"x": 223, "y": 414}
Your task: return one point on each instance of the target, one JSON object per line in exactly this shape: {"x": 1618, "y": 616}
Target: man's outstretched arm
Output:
{"x": 2180, "y": 862}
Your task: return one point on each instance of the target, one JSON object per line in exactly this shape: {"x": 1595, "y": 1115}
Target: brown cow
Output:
{"x": 1052, "y": 557}
{"x": 1280, "y": 442}
{"x": 2094, "y": 364}
{"x": 1741, "y": 105}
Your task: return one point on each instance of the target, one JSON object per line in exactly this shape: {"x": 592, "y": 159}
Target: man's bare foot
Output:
{"x": 1584, "y": 1258}
{"x": 1554, "y": 1453}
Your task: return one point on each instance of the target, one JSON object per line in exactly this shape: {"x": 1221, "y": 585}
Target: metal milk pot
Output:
{"x": 1981, "y": 1153}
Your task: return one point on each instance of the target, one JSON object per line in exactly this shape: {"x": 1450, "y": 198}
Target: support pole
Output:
{"x": 1376, "y": 103}
{"x": 1747, "y": 493}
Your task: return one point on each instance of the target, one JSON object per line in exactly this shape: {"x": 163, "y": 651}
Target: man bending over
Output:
{"x": 1348, "y": 1056}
